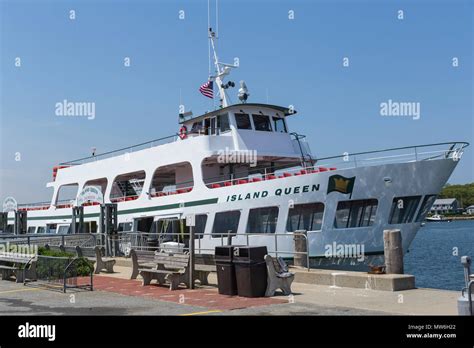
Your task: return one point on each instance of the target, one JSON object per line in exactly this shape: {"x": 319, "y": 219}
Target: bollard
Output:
{"x": 393, "y": 251}
{"x": 300, "y": 258}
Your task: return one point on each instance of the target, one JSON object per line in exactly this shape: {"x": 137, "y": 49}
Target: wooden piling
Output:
{"x": 393, "y": 251}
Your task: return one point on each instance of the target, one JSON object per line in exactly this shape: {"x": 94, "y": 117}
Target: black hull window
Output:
{"x": 262, "y": 220}
{"x": 307, "y": 217}
{"x": 359, "y": 213}
{"x": 403, "y": 209}
{"x": 425, "y": 207}
{"x": 226, "y": 223}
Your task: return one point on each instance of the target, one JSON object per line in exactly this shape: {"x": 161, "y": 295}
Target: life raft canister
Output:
{"x": 183, "y": 132}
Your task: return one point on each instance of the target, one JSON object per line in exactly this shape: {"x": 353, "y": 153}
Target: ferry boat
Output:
{"x": 242, "y": 173}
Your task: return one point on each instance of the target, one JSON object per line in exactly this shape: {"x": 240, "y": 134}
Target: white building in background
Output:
{"x": 470, "y": 209}
{"x": 445, "y": 205}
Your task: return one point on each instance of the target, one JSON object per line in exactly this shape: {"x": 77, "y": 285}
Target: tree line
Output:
{"x": 463, "y": 193}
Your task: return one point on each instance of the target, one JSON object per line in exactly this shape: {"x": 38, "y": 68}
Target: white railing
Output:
{"x": 452, "y": 150}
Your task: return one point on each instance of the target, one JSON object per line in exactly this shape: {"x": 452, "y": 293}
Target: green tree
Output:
{"x": 463, "y": 193}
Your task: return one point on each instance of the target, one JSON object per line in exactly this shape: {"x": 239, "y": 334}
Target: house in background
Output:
{"x": 445, "y": 205}
{"x": 470, "y": 209}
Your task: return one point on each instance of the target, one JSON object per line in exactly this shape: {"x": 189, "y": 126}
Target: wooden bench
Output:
{"x": 22, "y": 266}
{"x": 53, "y": 247}
{"x": 203, "y": 265}
{"x": 95, "y": 255}
{"x": 141, "y": 259}
{"x": 277, "y": 277}
{"x": 68, "y": 249}
{"x": 169, "y": 267}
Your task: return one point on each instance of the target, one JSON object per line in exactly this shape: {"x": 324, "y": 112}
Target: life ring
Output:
{"x": 183, "y": 132}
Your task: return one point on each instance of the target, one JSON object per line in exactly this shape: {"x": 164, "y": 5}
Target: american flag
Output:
{"x": 207, "y": 89}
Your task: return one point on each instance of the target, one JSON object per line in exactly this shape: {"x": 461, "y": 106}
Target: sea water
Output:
{"x": 434, "y": 257}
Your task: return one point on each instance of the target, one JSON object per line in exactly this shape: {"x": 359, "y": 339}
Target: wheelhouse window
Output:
{"x": 243, "y": 121}
{"x": 305, "y": 217}
{"x": 262, "y": 123}
{"x": 403, "y": 209}
{"x": 196, "y": 127}
{"x": 223, "y": 123}
{"x": 127, "y": 187}
{"x": 262, "y": 220}
{"x": 279, "y": 125}
{"x": 425, "y": 207}
{"x": 172, "y": 179}
{"x": 358, "y": 213}
{"x": 226, "y": 223}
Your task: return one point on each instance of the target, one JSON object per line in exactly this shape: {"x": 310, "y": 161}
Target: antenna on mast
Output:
{"x": 221, "y": 69}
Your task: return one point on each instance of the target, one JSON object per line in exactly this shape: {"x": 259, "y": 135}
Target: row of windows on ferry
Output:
{"x": 308, "y": 216}
{"x": 221, "y": 124}
{"x": 178, "y": 178}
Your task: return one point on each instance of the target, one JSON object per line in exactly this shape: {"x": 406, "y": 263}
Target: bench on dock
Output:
{"x": 203, "y": 265}
{"x": 54, "y": 247}
{"x": 68, "y": 249}
{"x": 169, "y": 267}
{"x": 141, "y": 259}
{"x": 95, "y": 255}
{"x": 278, "y": 276}
{"x": 22, "y": 266}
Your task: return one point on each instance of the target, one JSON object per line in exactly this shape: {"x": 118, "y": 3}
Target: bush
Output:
{"x": 54, "y": 268}
{"x": 54, "y": 253}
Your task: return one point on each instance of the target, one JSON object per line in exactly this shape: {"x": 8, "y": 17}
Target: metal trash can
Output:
{"x": 226, "y": 281}
{"x": 250, "y": 270}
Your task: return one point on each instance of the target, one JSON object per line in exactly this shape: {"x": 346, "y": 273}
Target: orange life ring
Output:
{"x": 183, "y": 131}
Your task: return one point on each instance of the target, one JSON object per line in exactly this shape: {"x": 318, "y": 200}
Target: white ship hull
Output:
{"x": 407, "y": 179}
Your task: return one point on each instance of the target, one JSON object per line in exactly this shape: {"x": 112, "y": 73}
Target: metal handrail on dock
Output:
{"x": 139, "y": 240}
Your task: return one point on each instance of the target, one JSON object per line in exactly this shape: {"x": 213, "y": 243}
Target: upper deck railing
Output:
{"x": 123, "y": 151}
{"x": 451, "y": 150}
{"x": 161, "y": 141}
{"x": 406, "y": 154}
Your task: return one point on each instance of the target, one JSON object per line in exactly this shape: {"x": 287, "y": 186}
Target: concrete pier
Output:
{"x": 318, "y": 292}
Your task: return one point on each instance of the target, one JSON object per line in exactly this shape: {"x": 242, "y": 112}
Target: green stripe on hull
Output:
{"x": 131, "y": 211}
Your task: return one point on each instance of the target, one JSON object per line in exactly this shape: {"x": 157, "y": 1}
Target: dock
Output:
{"x": 116, "y": 294}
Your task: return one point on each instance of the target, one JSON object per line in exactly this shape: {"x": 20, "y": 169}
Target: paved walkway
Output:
{"x": 349, "y": 300}
{"x": 204, "y": 297}
{"x": 116, "y": 294}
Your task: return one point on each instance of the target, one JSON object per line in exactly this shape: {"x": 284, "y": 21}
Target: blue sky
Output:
{"x": 296, "y": 62}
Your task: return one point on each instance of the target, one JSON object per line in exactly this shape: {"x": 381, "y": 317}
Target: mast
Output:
{"x": 222, "y": 70}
